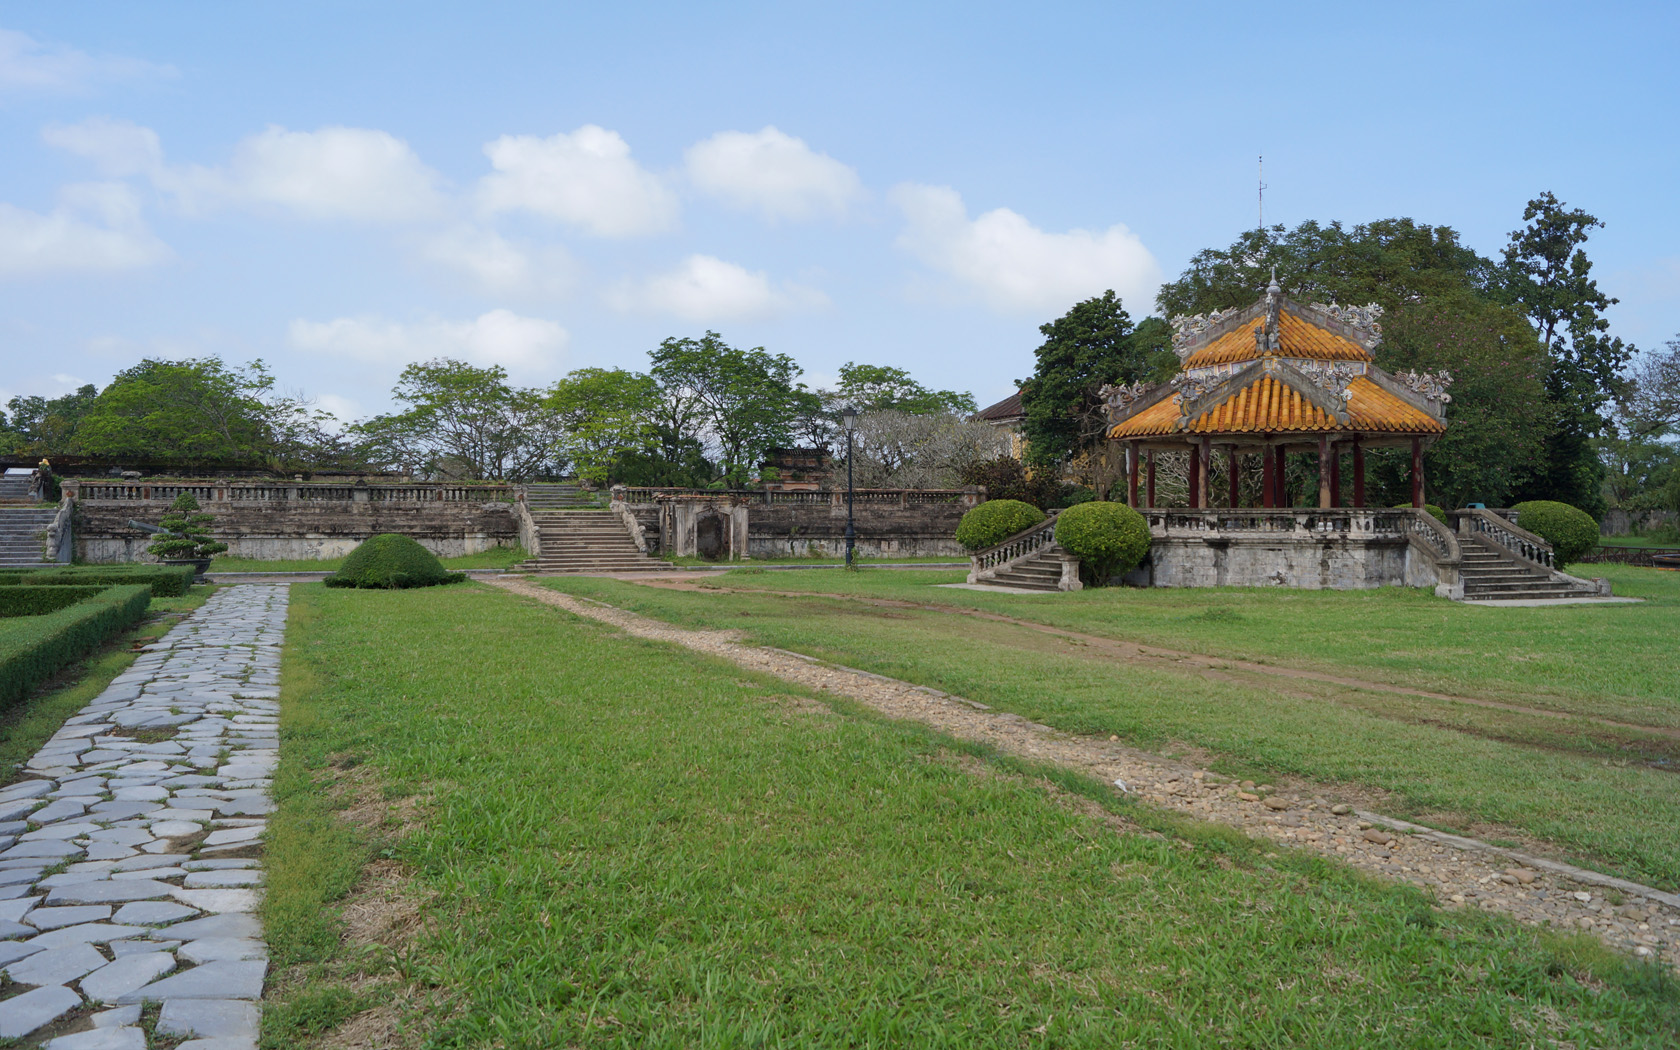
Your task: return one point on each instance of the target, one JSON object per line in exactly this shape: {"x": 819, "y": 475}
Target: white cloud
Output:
{"x": 496, "y": 265}
{"x": 1014, "y": 265}
{"x": 342, "y": 408}
{"x": 97, "y": 226}
{"x": 499, "y": 337}
{"x": 27, "y": 64}
{"x": 587, "y": 178}
{"x": 334, "y": 173}
{"x": 705, "y": 288}
{"x": 118, "y": 147}
{"x": 772, "y": 173}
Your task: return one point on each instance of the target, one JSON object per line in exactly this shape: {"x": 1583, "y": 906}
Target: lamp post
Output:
{"x": 849, "y": 417}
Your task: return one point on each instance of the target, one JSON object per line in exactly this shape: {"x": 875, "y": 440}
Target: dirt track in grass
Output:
{"x": 1460, "y": 872}
{"x": 1244, "y": 672}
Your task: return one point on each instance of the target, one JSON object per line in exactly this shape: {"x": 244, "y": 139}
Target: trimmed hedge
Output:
{"x": 391, "y": 561}
{"x": 994, "y": 521}
{"x": 1108, "y": 538}
{"x": 39, "y": 601}
{"x": 53, "y": 641}
{"x": 1571, "y": 531}
{"x": 166, "y": 581}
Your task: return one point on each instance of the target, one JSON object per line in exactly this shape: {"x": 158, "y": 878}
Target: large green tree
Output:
{"x": 42, "y": 426}
{"x": 461, "y": 421}
{"x": 1548, "y": 276}
{"x": 1092, "y": 344}
{"x": 742, "y": 401}
{"x": 194, "y": 410}
{"x": 880, "y": 388}
{"x": 604, "y": 415}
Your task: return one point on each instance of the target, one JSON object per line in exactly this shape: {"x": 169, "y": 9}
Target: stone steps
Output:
{"x": 20, "y": 535}
{"x": 586, "y": 539}
{"x": 1490, "y": 574}
{"x": 1041, "y": 572}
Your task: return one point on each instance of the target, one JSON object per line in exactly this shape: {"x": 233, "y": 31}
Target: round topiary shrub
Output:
{"x": 390, "y": 561}
{"x": 1108, "y": 538}
{"x": 994, "y": 521}
{"x": 1439, "y": 514}
{"x": 1571, "y": 531}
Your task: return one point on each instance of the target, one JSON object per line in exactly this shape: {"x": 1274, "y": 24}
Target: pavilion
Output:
{"x": 1274, "y": 379}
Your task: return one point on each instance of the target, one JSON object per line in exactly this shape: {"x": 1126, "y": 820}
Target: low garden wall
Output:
{"x": 902, "y": 523}
{"x": 287, "y": 521}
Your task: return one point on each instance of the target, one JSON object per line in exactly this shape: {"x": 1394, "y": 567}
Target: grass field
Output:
{"x": 1613, "y": 661}
{"x": 1601, "y": 795}
{"x": 1669, "y": 541}
{"x": 593, "y": 840}
{"x": 494, "y": 558}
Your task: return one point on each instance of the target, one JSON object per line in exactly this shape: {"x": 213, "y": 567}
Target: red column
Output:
{"x": 1195, "y": 476}
{"x": 1417, "y": 472}
{"x": 1336, "y": 476}
{"x": 1268, "y": 476}
{"x": 1358, "y": 473}
{"x": 1324, "y": 472}
{"x": 1132, "y": 454}
{"x": 1234, "y": 476}
{"x": 1149, "y": 493}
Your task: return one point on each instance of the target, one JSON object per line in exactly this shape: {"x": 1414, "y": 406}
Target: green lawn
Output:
{"x": 494, "y": 558}
{"x": 616, "y": 843}
{"x": 1597, "y": 795}
{"x": 1614, "y": 661}
{"x": 1669, "y": 542}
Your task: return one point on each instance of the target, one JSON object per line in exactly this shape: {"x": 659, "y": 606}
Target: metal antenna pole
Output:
{"x": 1262, "y": 200}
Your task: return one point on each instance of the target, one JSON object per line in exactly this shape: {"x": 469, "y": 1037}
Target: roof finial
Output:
{"x": 1274, "y": 289}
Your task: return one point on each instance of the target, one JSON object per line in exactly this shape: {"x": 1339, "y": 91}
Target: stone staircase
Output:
{"x": 559, "y": 496}
{"x": 20, "y": 536}
{"x": 1039, "y": 572}
{"x": 14, "y": 488}
{"x": 1490, "y": 572}
{"x": 576, "y": 535}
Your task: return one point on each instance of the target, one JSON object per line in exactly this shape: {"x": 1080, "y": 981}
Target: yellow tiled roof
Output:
{"x": 1299, "y": 338}
{"x": 1267, "y": 406}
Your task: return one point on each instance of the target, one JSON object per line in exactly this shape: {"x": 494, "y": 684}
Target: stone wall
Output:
{"x": 883, "y": 530}
{"x": 300, "y": 529}
{"x": 1330, "y": 563}
{"x": 781, "y": 529}
{"x": 1622, "y": 522}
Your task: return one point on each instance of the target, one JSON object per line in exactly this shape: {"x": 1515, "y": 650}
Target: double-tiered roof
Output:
{"x": 1280, "y": 370}
{"x": 1275, "y": 378}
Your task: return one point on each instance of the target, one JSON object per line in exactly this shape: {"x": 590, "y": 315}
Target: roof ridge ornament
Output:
{"x": 1360, "y": 318}
{"x": 1432, "y": 385}
{"x": 1187, "y": 328}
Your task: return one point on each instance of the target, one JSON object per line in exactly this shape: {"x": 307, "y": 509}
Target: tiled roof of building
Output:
{"x": 1268, "y": 406}
{"x": 1299, "y": 338}
{"x": 1005, "y": 410}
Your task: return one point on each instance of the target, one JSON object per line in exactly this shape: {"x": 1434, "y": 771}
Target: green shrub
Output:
{"x": 188, "y": 537}
{"x": 1571, "y": 531}
{"x": 994, "y": 521}
{"x": 1437, "y": 513}
{"x": 1107, "y": 538}
{"x": 166, "y": 581}
{"x": 391, "y": 561}
{"x": 39, "y": 601}
{"x": 40, "y": 646}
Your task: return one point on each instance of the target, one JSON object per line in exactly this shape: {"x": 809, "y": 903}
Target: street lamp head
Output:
{"x": 849, "y": 415}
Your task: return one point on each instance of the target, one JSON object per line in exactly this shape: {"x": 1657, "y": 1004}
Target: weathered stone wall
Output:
{"x": 285, "y": 529}
{"x": 781, "y": 530}
{"x": 1328, "y": 563}
{"x": 1622, "y": 522}
{"x": 883, "y": 530}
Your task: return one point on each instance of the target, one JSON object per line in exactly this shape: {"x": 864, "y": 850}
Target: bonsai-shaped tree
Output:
{"x": 188, "y": 538}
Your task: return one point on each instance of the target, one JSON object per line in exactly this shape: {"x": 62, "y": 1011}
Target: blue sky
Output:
{"x": 340, "y": 189}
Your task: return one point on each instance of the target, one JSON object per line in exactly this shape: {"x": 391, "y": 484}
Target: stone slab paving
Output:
{"x": 128, "y": 855}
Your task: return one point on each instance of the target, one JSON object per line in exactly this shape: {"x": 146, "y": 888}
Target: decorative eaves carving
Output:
{"x": 1431, "y": 385}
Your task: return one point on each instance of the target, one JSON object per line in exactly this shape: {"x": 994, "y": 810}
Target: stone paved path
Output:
{"x": 128, "y": 857}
